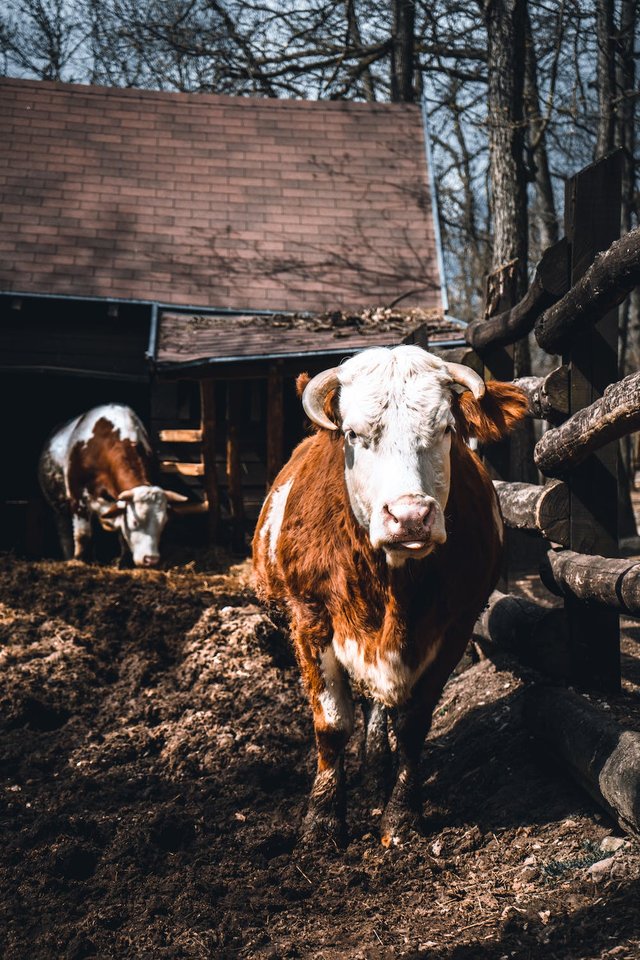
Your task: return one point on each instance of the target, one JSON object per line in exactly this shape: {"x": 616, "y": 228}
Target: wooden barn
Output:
{"x": 189, "y": 254}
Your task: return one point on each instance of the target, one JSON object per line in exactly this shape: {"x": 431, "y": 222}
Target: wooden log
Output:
{"x": 601, "y": 756}
{"x": 535, "y": 634}
{"x": 611, "y": 583}
{"x": 548, "y": 396}
{"x": 615, "y": 414}
{"x": 610, "y": 279}
{"x": 550, "y": 282}
{"x": 208, "y": 429}
{"x": 543, "y": 509}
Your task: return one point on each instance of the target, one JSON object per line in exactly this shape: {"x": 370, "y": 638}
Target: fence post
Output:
{"x": 498, "y": 365}
{"x": 592, "y": 223}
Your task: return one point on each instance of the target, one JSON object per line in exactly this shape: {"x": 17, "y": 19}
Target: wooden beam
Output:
{"x": 208, "y": 430}
{"x": 592, "y": 223}
{"x": 608, "y": 582}
{"x": 550, "y": 282}
{"x": 275, "y": 422}
{"x": 603, "y": 757}
{"x": 180, "y": 436}
{"x": 542, "y": 509}
{"x": 535, "y": 634}
{"x": 610, "y": 279}
{"x": 614, "y": 415}
{"x": 234, "y": 476}
{"x": 184, "y": 469}
{"x": 548, "y": 396}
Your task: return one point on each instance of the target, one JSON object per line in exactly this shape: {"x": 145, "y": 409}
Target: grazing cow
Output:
{"x": 377, "y": 546}
{"x": 98, "y": 465}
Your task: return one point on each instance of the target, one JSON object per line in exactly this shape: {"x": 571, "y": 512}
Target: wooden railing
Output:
{"x": 571, "y": 307}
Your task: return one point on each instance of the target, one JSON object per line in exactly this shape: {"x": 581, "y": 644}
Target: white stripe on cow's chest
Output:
{"x": 387, "y": 677}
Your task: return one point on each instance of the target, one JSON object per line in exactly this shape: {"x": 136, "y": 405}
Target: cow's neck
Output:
{"x": 127, "y": 468}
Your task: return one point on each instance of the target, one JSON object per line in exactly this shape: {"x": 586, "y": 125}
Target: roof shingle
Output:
{"x": 214, "y": 201}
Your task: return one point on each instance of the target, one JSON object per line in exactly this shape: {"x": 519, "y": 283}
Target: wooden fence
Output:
{"x": 571, "y": 306}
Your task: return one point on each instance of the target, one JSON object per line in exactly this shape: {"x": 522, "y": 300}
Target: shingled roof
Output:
{"x": 214, "y": 201}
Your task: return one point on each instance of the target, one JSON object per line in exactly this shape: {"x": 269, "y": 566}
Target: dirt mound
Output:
{"x": 156, "y": 756}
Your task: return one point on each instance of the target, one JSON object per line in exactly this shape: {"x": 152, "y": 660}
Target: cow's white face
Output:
{"x": 395, "y": 408}
{"x": 141, "y": 518}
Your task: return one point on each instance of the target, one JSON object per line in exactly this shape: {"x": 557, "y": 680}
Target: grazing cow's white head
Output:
{"x": 140, "y": 515}
{"x": 396, "y": 417}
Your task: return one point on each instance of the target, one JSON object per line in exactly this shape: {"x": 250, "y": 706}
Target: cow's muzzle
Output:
{"x": 408, "y": 522}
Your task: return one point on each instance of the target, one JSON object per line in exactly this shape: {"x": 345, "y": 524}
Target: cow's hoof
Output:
{"x": 323, "y": 830}
{"x": 401, "y": 827}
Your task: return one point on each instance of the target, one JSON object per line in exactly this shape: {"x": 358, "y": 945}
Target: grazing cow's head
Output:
{"x": 398, "y": 410}
{"x": 140, "y": 514}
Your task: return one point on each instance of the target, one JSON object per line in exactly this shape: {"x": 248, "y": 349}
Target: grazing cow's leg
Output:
{"x": 332, "y": 707}
{"x": 62, "y": 519}
{"x": 81, "y": 534}
{"x": 377, "y": 754}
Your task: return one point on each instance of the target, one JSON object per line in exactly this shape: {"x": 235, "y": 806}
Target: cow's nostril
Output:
{"x": 150, "y": 561}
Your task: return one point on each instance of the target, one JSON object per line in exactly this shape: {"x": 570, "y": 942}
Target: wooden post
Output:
{"x": 208, "y": 426}
{"x": 498, "y": 365}
{"x": 592, "y": 223}
{"x": 275, "y": 424}
{"x": 234, "y": 478}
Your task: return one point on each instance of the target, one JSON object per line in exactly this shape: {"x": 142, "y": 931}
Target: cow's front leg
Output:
{"x": 377, "y": 754}
{"x": 332, "y": 707}
{"x": 81, "y": 523}
{"x": 403, "y": 814}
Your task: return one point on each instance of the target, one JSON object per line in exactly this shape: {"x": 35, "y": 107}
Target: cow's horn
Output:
{"x": 125, "y": 495}
{"x": 467, "y": 377}
{"x": 315, "y": 394}
{"x": 173, "y": 497}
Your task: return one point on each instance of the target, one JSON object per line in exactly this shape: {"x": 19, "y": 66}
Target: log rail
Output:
{"x": 570, "y": 306}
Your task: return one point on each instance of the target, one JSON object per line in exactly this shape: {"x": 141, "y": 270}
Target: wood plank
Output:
{"x": 180, "y": 436}
{"x": 184, "y": 469}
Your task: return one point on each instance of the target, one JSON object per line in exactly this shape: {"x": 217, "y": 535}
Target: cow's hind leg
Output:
{"x": 377, "y": 753}
{"x": 62, "y": 519}
{"x": 81, "y": 535}
{"x": 332, "y": 707}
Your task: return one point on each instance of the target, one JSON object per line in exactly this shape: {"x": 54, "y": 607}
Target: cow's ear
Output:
{"x": 301, "y": 381}
{"x": 495, "y": 414}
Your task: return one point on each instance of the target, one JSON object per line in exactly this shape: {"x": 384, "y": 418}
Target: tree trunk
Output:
{"x": 403, "y": 51}
{"x": 505, "y": 24}
{"x": 545, "y": 208}
{"x": 605, "y": 77}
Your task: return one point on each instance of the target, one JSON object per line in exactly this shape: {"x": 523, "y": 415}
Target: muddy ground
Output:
{"x": 156, "y": 753}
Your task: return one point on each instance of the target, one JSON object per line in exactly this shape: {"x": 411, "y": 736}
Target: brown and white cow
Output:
{"x": 378, "y": 545}
{"x": 97, "y": 465}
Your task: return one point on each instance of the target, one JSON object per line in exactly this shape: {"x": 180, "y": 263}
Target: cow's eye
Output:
{"x": 448, "y": 429}
{"x": 350, "y": 436}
